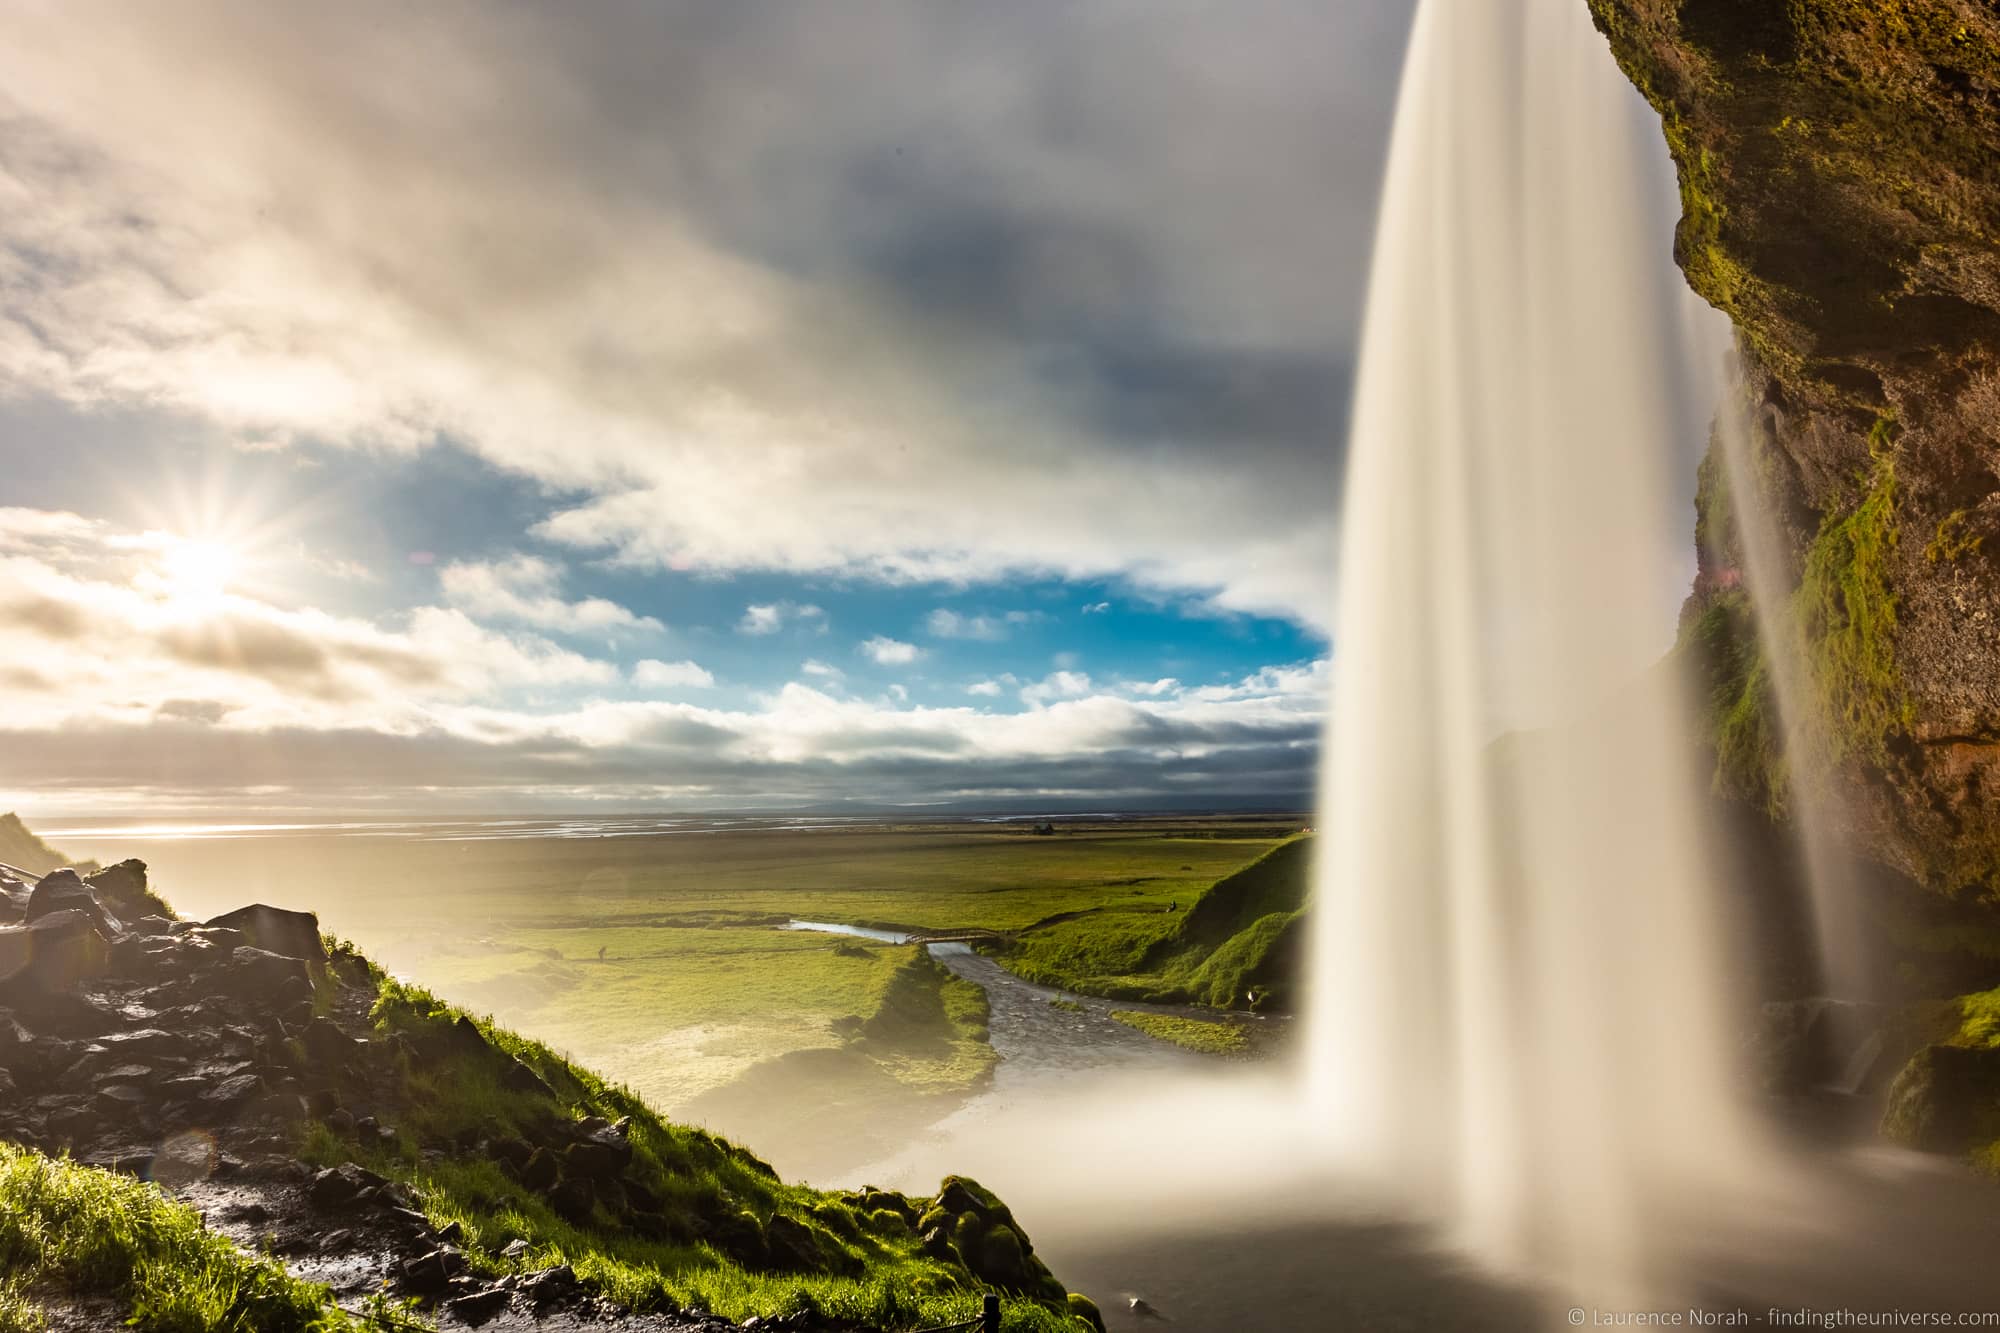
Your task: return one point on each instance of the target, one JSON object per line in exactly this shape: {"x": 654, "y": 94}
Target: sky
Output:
{"x": 506, "y": 407}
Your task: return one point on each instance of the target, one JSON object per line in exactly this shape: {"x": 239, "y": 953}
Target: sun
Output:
{"x": 198, "y": 573}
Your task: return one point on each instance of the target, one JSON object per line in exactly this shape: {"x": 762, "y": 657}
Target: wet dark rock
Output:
{"x": 451, "y": 1233}
{"x": 478, "y": 1307}
{"x": 549, "y": 1286}
{"x": 222, "y": 937}
{"x": 65, "y": 891}
{"x": 431, "y": 1274}
{"x": 261, "y": 974}
{"x": 276, "y": 930}
{"x": 138, "y": 1163}
{"x": 603, "y": 1156}
{"x": 233, "y": 1092}
{"x": 342, "y": 1186}
{"x": 514, "y": 1250}
{"x": 341, "y": 1121}
{"x": 54, "y": 951}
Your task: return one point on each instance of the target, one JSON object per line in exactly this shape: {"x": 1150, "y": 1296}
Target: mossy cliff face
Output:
{"x": 1839, "y": 165}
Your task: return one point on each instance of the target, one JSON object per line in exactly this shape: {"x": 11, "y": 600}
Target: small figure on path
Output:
{"x": 600, "y": 951}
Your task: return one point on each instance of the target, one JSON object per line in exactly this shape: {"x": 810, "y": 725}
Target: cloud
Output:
{"x": 1096, "y": 608}
{"x": 524, "y": 588}
{"x": 799, "y": 744}
{"x": 985, "y": 689}
{"x": 884, "y": 651}
{"x": 772, "y": 617}
{"x": 1057, "y": 685}
{"x": 945, "y": 623}
{"x": 128, "y": 696}
{"x": 932, "y": 292}
{"x": 654, "y": 674}
{"x": 823, "y": 670}
{"x": 107, "y": 633}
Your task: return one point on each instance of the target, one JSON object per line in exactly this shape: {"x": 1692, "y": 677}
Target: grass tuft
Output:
{"x": 73, "y": 1231}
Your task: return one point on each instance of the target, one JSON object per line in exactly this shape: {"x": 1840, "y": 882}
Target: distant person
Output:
{"x": 600, "y": 951}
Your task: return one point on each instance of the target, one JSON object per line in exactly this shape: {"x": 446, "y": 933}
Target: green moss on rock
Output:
{"x": 1847, "y": 612}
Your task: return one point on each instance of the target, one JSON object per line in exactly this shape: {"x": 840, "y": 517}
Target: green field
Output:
{"x": 657, "y": 960}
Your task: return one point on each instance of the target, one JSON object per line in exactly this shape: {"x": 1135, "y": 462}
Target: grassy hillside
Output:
{"x": 690, "y": 1221}
{"x": 25, "y": 851}
{"x": 910, "y": 1059}
{"x": 1241, "y": 938}
{"x": 359, "y": 1113}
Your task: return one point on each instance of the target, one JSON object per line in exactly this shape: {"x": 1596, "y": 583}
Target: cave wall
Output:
{"x": 1839, "y": 165}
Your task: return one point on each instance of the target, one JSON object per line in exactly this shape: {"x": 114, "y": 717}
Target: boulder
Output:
{"x": 13, "y": 900}
{"x": 259, "y": 974}
{"x": 574, "y": 1200}
{"x": 1946, "y": 1099}
{"x": 737, "y": 1235}
{"x": 327, "y": 1046}
{"x": 276, "y": 930}
{"x": 122, "y": 888}
{"x": 602, "y": 1156}
{"x": 1002, "y": 1261}
{"x": 54, "y": 951}
{"x": 541, "y": 1171}
{"x": 431, "y": 1274}
{"x": 341, "y": 1186}
{"x": 65, "y": 891}
{"x": 550, "y": 1286}
{"x": 476, "y": 1308}
{"x": 792, "y": 1245}
{"x": 1081, "y": 1307}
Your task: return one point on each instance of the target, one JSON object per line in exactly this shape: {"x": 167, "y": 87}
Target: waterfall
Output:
{"x": 1518, "y": 1021}
{"x": 1813, "y": 805}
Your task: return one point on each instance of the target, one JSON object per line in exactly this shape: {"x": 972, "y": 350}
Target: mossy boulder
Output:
{"x": 1083, "y": 1308}
{"x": 1945, "y": 1100}
{"x": 970, "y": 1219}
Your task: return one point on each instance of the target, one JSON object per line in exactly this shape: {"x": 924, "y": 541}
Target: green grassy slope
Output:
{"x": 1242, "y": 937}
{"x": 689, "y": 1222}
{"x": 66, "y": 1228}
